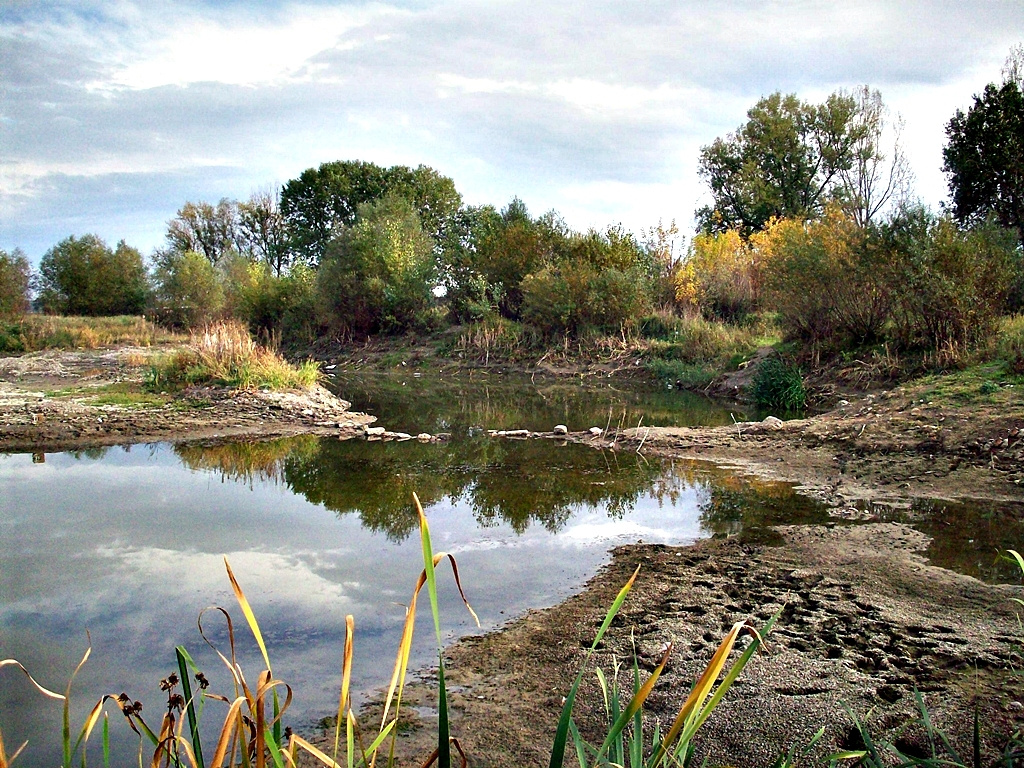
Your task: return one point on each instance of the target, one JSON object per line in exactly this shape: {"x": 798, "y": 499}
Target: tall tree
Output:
{"x": 322, "y": 200}
{"x": 984, "y": 158}
{"x": 211, "y": 230}
{"x": 14, "y": 283}
{"x": 784, "y": 161}
{"x": 261, "y": 230}
{"x": 878, "y": 175}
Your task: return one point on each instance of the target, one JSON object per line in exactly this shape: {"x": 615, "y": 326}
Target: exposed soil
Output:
{"x": 48, "y": 402}
{"x": 866, "y": 618}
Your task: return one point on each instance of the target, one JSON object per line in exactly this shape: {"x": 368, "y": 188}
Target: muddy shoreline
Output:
{"x": 866, "y": 618}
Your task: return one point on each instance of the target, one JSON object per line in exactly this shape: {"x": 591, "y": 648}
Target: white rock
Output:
{"x": 596, "y": 431}
{"x": 561, "y": 429}
{"x": 424, "y": 437}
{"x": 375, "y": 431}
{"x": 772, "y": 422}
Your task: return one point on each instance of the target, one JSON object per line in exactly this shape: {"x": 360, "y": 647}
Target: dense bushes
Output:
{"x": 917, "y": 282}
{"x": 187, "y": 291}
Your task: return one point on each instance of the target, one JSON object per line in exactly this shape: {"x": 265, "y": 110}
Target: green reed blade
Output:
{"x": 190, "y": 708}
{"x": 562, "y": 733}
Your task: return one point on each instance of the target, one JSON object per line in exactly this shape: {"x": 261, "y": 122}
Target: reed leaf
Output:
{"x": 562, "y": 732}
{"x": 633, "y": 708}
{"x": 190, "y": 710}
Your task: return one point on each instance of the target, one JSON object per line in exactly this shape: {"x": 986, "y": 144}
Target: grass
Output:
{"x": 33, "y": 333}
{"x": 224, "y": 354}
{"x": 123, "y": 394}
{"x": 252, "y": 733}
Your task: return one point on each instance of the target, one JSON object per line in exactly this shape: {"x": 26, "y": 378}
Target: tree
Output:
{"x": 261, "y": 230}
{"x": 377, "y": 275}
{"x": 210, "y": 230}
{"x": 323, "y": 200}
{"x": 878, "y": 175}
{"x": 14, "y": 283}
{"x": 82, "y": 276}
{"x": 187, "y": 291}
{"x": 984, "y": 158}
{"x": 783, "y": 162}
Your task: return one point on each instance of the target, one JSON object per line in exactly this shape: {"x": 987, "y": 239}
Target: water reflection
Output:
{"x": 434, "y": 402}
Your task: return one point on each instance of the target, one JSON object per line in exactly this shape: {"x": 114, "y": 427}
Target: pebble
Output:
{"x": 375, "y": 431}
{"x": 596, "y": 431}
{"x": 560, "y": 429}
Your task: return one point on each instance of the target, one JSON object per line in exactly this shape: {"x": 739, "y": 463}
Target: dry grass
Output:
{"x": 225, "y": 354}
{"x": 55, "y": 332}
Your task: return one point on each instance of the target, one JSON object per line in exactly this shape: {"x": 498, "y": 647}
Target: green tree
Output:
{"x": 211, "y": 230}
{"x": 187, "y": 291}
{"x": 984, "y": 158}
{"x": 14, "y": 283}
{"x": 323, "y": 200}
{"x": 784, "y": 161}
{"x": 377, "y": 275}
{"x": 82, "y": 276}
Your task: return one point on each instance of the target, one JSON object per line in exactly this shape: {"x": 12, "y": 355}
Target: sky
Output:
{"x": 114, "y": 113}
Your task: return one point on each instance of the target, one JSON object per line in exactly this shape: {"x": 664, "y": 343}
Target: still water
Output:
{"x": 127, "y": 544}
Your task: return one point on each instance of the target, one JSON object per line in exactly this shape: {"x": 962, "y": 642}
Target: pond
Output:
{"x": 128, "y": 543}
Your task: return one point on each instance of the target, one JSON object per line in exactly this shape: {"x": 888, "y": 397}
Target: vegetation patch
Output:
{"x": 225, "y": 354}
{"x": 33, "y": 333}
{"x": 779, "y": 386}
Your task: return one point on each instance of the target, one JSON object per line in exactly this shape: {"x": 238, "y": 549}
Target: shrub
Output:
{"x": 82, "y": 276}
{"x": 225, "y": 354}
{"x": 778, "y": 386}
{"x": 1010, "y": 344}
{"x": 950, "y": 285}
{"x": 188, "y": 292}
{"x": 829, "y": 280}
{"x": 719, "y": 276}
{"x": 14, "y": 283}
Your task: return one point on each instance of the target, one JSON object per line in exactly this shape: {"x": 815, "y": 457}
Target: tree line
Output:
{"x": 812, "y": 218}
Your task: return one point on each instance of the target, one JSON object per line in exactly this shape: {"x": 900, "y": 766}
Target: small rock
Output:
{"x": 843, "y": 403}
{"x": 1015, "y": 706}
{"x": 596, "y": 431}
{"x": 517, "y": 433}
{"x": 773, "y": 422}
{"x": 375, "y": 431}
{"x": 561, "y": 429}
{"x": 401, "y": 436}
{"x": 307, "y": 411}
{"x": 424, "y": 437}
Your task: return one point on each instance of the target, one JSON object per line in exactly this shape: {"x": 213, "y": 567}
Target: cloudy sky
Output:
{"x": 113, "y": 113}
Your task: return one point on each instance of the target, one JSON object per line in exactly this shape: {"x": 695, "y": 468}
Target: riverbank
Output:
{"x": 74, "y": 400}
{"x": 867, "y": 618}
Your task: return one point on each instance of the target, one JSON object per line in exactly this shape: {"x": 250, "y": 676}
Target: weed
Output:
{"x": 778, "y": 385}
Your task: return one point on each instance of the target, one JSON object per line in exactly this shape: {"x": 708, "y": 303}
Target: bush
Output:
{"x": 188, "y": 292}
{"x": 14, "y": 283}
{"x": 719, "y": 276}
{"x": 1010, "y": 344}
{"x": 82, "y": 276}
{"x": 950, "y": 285}
{"x": 778, "y": 386}
{"x": 830, "y": 281}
